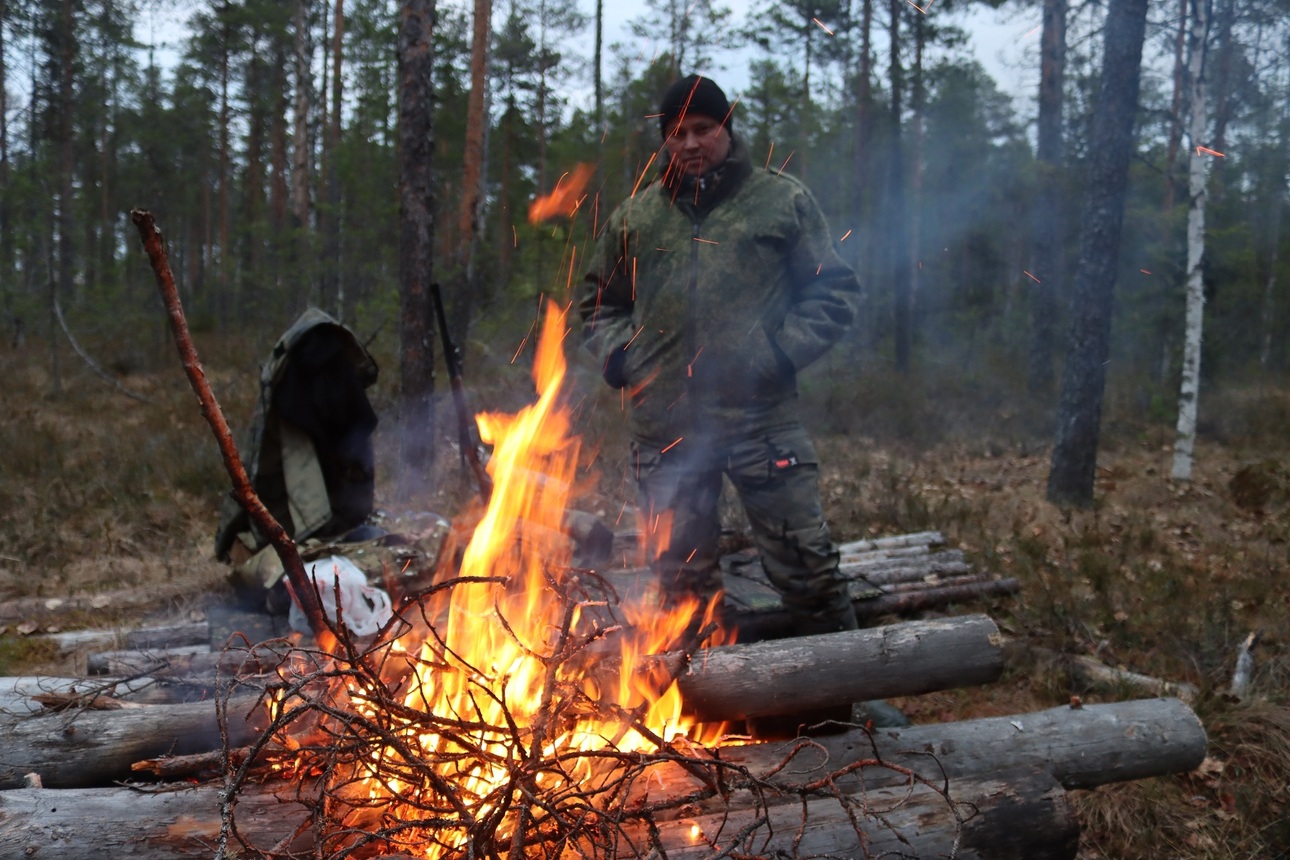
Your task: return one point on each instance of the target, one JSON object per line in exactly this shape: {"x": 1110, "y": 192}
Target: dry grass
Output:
{"x": 100, "y": 492}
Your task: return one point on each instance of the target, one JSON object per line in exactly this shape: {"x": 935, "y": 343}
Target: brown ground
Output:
{"x": 101, "y": 494}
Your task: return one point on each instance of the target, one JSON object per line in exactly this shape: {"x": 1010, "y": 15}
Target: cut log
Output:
{"x": 892, "y": 570}
{"x": 1015, "y": 816}
{"x": 769, "y": 620}
{"x": 192, "y": 633}
{"x": 18, "y": 695}
{"x": 915, "y": 539}
{"x": 40, "y": 608}
{"x": 1010, "y": 816}
{"x": 1081, "y": 747}
{"x": 196, "y": 661}
{"x": 787, "y": 676}
{"x": 131, "y": 660}
{"x": 161, "y": 824}
{"x": 89, "y": 748}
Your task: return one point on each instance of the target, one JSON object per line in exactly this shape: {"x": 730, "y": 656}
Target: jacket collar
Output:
{"x": 700, "y": 194}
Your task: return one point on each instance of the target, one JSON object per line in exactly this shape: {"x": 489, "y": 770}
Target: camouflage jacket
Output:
{"x": 706, "y": 314}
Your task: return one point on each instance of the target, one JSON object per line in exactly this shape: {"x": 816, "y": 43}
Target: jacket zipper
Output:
{"x": 691, "y": 341}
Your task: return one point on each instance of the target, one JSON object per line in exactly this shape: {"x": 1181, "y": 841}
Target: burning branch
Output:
{"x": 298, "y": 581}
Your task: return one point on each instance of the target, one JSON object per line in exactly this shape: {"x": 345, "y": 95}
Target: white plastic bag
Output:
{"x": 365, "y": 609}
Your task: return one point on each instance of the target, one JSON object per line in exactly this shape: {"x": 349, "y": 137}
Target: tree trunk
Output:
{"x": 1049, "y": 222}
{"x": 221, "y": 301}
{"x": 1074, "y": 460}
{"x": 862, "y": 158}
{"x": 6, "y": 237}
{"x": 416, "y": 243}
{"x": 253, "y": 183}
{"x": 301, "y": 150}
{"x": 596, "y": 63}
{"x": 1175, "y": 106}
{"x": 918, "y": 97}
{"x": 472, "y": 169}
{"x": 279, "y": 185}
{"x": 84, "y": 748}
{"x": 1189, "y": 389}
{"x": 333, "y": 279}
{"x": 62, "y": 283}
{"x": 898, "y": 251}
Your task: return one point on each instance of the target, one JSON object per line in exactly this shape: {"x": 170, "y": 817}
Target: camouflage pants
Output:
{"x": 776, "y": 476}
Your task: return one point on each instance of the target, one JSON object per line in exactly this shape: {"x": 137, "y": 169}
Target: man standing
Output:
{"x": 707, "y": 292}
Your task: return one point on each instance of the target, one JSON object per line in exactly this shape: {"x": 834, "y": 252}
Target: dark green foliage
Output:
{"x": 150, "y": 129}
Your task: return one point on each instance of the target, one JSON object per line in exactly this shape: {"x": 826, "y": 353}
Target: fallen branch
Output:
{"x": 1244, "y": 666}
{"x": 1088, "y": 672}
{"x": 91, "y": 363}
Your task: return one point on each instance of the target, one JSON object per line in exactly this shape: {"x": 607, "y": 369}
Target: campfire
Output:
{"x": 520, "y": 707}
{"x": 501, "y": 711}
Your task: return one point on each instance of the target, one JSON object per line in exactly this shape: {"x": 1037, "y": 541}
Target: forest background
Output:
{"x": 280, "y": 183}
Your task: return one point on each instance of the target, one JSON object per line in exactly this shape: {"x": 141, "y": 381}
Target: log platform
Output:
{"x": 80, "y": 738}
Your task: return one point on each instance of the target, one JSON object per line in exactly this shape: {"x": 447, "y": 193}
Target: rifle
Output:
{"x": 465, "y": 438}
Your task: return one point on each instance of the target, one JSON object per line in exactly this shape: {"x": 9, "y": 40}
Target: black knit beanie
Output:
{"x": 693, "y": 94}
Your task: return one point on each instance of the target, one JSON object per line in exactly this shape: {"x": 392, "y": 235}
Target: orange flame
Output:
{"x": 491, "y": 669}
{"x": 565, "y": 199}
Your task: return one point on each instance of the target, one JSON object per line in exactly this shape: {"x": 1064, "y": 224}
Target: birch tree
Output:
{"x": 1189, "y": 391}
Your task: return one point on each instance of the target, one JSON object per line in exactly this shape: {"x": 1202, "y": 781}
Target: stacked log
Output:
{"x": 92, "y": 747}
{"x": 992, "y": 788}
{"x": 1006, "y": 775}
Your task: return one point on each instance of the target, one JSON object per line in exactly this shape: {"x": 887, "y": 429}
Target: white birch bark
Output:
{"x": 1189, "y": 391}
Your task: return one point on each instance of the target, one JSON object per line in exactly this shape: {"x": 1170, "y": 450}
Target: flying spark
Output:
{"x": 1032, "y": 277}
{"x": 1205, "y": 150}
{"x": 820, "y": 24}
{"x": 844, "y": 236}
{"x": 673, "y": 445}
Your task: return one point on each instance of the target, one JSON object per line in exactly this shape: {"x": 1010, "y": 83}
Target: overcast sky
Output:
{"x": 1004, "y": 41}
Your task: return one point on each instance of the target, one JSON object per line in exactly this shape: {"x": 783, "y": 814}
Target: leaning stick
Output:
{"x": 302, "y": 590}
